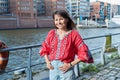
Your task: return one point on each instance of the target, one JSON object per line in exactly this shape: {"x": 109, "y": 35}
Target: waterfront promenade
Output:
{"x": 110, "y": 71}
{"x": 16, "y": 58}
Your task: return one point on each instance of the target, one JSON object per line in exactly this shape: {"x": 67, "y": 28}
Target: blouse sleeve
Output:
{"x": 44, "y": 50}
{"x": 82, "y": 50}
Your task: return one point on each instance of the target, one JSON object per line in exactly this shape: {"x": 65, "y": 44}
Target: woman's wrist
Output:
{"x": 48, "y": 62}
{"x": 71, "y": 64}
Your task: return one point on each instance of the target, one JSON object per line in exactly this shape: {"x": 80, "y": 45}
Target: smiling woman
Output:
{"x": 60, "y": 47}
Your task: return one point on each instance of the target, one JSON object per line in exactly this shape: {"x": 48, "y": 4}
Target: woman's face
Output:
{"x": 60, "y": 22}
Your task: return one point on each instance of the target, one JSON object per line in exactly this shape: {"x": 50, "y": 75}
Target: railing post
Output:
{"x": 77, "y": 70}
{"x": 29, "y": 72}
{"x": 102, "y": 53}
{"x": 119, "y": 49}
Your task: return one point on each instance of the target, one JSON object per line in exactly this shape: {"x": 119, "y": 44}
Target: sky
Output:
{"x": 109, "y": 1}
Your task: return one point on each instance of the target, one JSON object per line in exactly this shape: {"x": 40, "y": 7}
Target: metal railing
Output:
{"x": 30, "y": 47}
{"x": 29, "y": 72}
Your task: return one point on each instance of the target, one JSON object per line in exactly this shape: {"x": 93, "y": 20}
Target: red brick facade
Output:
{"x": 26, "y": 16}
{"x": 7, "y": 23}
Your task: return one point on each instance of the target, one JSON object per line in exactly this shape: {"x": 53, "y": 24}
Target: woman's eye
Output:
{"x": 56, "y": 20}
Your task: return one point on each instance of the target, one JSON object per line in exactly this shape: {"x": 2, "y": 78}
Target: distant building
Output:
{"x": 99, "y": 10}
{"x": 119, "y": 9}
{"x": 24, "y": 11}
{"x": 4, "y": 6}
{"x": 22, "y": 8}
{"x": 78, "y": 8}
{"x": 116, "y": 9}
{"x": 35, "y": 13}
{"x": 53, "y": 5}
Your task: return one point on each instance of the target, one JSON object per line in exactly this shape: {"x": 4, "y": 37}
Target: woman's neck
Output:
{"x": 61, "y": 33}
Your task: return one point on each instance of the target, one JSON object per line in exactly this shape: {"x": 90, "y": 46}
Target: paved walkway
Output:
{"x": 111, "y": 71}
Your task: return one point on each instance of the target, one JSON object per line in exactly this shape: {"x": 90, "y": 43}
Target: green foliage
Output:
{"x": 110, "y": 49}
{"x": 114, "y": 55}
{"x": 89, "y": 68}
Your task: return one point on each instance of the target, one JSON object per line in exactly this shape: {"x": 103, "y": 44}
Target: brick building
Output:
{"x": 99, "y": 10}
{"x": 31, "y": 14}
{"x": 24, "y": 12}
{"x": 52, "y": 5}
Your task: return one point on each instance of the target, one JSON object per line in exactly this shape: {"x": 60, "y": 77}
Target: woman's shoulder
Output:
{"x": 52, "y": 31}
{"x": 75, "y": 32}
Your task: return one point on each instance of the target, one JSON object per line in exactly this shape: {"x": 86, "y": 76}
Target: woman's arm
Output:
{"x": 48, "y": 63}
{"x": 76, "y": 61}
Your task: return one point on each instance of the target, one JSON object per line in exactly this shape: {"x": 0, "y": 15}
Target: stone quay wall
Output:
{"x": 10, "y": 22}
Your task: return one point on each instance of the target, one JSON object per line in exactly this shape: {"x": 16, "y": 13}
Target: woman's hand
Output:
{"x": 65, "y": 67}
{"x": 49, "y": 66}
{"x": 48, "y": 63}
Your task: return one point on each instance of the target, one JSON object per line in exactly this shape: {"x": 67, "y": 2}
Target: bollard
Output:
{"x": 108, "y": 47}
{"x": 108, "y": 42}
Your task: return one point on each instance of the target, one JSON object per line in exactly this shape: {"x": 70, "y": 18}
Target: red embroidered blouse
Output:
{"x": 65, "y": 50}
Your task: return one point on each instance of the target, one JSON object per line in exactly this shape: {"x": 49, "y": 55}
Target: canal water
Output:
{"x": 21, "y": 37}
{"x": 36, "y": 36}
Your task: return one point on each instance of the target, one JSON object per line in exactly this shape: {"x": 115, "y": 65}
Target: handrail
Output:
{"x": 29, "y": 72}
{"x": 37, "y": 45}
{"x": 101, "y": 36}
{"x": 29, "y": 75}
{"x": 19, "y": 47}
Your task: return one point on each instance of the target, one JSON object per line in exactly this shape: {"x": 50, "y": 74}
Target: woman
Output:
{"x": 60, "y": 47}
